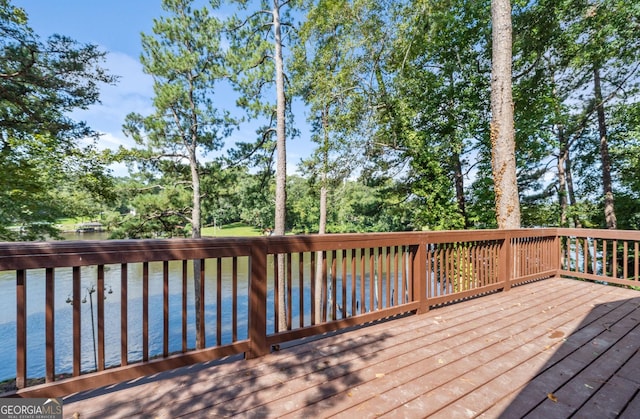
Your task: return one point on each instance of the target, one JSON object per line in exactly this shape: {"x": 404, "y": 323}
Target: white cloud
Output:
{"x": 132, "y": 93}
{"x": 113, "y": 141}
{"x": 119, "y": 169}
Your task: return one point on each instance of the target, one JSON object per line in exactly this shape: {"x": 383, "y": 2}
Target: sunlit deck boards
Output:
{"x": 549, "y": 349}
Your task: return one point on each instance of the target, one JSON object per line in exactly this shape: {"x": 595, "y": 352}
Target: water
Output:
{"x": 63, "y": 310}
{"x": 63, "y": 313}
{"x": 63, "y": 317}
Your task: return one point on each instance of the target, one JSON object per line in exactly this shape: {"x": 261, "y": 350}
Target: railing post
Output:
{"x": 506, "y": 261}
{"x": 258, "y": 301}
{"x": 557, "y": 253}
{"x": 420, "y": 277}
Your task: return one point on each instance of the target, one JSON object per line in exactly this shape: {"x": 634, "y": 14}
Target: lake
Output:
{"x": 63, "y": 313}
{"x": 63, "y": 309}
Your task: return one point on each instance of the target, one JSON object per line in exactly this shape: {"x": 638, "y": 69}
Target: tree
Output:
{"x": 445, "y": 95}
{"x": 607, "y": 23}
{"x": 385, "y": 82}
{"x": 502, "y": 125}
{"x": 256, "y": 36}
{"x": 257, "y": 40}
{"x": 41, "y": 82}
{"x": 326, "y": 76}
{"x": 185, "y": 58}
{"x": 325, "y": 80}
{"x": 571, "y": 48}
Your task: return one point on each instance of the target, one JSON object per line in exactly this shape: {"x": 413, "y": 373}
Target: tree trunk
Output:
{"x": 322, "y": 225}
{"x": 322, "y": 228}
{"x": 196, "y": 234}
{"x": 503, "y": 159}
{"x": 458, "y": 176}
{"x": 317, "y": 291}
{"x": 459, "y": 184}
{"x": 572, "y": 194}
{"x": 196, "y": 228}
{"x": 562, "y": 177}
{"x": 609, "y": 210}
{"x": 565, "y": 177}
{"x": 281, "y": 168}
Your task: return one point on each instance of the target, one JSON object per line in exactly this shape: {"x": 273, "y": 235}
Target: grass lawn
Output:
{"x": 70, "y": 224}
{"x": 231, "y": 230}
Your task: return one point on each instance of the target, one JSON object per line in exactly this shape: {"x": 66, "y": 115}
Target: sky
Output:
{"x": 115, "y": 27}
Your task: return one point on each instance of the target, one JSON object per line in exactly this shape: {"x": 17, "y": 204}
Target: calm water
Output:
{"x": 63, "y": 311}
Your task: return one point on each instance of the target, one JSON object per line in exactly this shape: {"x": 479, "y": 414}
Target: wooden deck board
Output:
{"x": 568, "y": 362}
{"x": 513, "y": 348}
{"x": 503, "y": 355}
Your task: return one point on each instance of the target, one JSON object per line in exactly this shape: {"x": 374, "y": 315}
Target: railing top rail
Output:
{"x": 33, "y": 255}
{"x": 312, "y": 242}
{"x": 600, "y": 233}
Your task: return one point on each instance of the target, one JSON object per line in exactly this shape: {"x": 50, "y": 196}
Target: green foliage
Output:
{"x": 46, "y": 172}
{"x": 250, "y": 60}
{"x": 560, "y": 46}
{"x": 441, "y": 105}
{"x": 397, "y": 96}
{"x": 156, "y": 210}
{"x": 353, "y": 206}
{"x": 257, "y": 200}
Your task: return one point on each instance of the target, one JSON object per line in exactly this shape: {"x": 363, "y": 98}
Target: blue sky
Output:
{"x": 115, "y": 26}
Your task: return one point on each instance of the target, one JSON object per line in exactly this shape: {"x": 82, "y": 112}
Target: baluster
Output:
{"x": 314, "y": 257}
{"x": 100, "y": 297}
{"x": 50, "y": 325}
{"x": 301, "y": 288}
{"x": 289, "y": 293}
{"x": 344, "y": 284}
{"x": 77, "y": 321}
{"x": 334, "y": 291}
{"x": 219, "y": 301}
{"x": 372, "y": 274}
{"x": 362, "y": 278}
{"x": 21, "y": 328}
{"x": 234, "y": 297}
{"x": 165, "y": 308}
{"x": 145, "y": 311}
{"x": 184, "y": 305}
{"x": 124, "y": 319}
{"x": 354, "y": 269}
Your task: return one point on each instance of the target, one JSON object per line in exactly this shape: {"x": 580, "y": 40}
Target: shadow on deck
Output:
{"x": 594, "y": 373}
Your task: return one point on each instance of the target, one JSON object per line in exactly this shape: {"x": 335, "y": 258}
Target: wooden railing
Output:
{"x": 144, "y": 295}
{"x": 607, "y": 256}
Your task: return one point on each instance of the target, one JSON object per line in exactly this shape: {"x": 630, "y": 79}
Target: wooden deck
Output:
{"x": 551, "y": 349}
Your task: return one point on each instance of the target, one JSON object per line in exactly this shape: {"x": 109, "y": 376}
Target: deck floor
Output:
{"x": 551, "y": 349}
